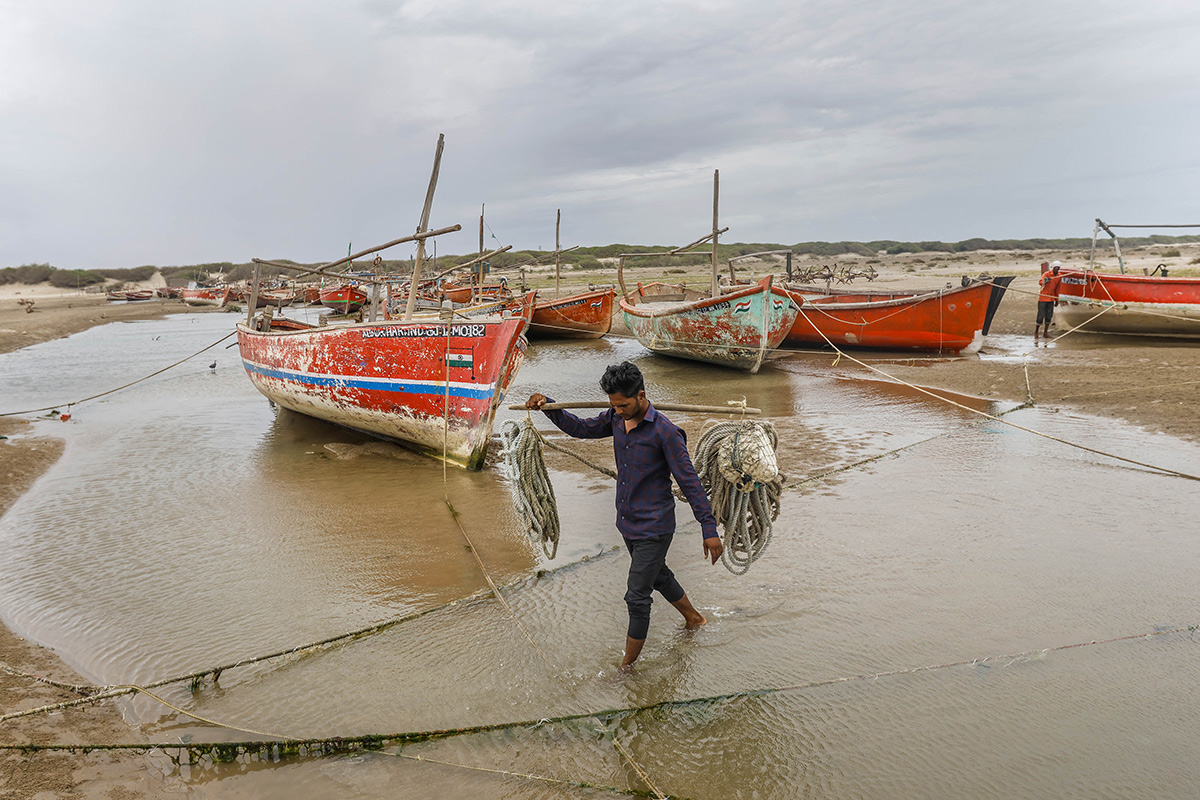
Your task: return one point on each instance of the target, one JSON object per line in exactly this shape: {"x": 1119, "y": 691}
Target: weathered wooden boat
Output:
{"x": 453, "y": 292}
{"x": 431, "y": 385}
{"x": 208, "y": 296}
{"x": 310, "y": 295}
{"x": 278, "y": 298}
{"x": 953, "y": 319}
{"x": 737, "y": 329}
{"x": 344, "y": 299}
{"x": 140, "y": 294}
{"x": 1136, "y": 305}
{"x": 113, "y": 297}
{"x": 460, "y": 293}
{"x": 580, "y": 316}
{"x": 1152, "y": 304}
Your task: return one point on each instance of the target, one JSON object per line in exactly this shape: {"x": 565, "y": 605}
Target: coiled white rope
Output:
{"x": 736, "y": 464}
{"x": 735, "y": 461}
{"x": 532, "y": 492}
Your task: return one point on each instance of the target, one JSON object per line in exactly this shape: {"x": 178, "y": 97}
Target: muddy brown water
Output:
{"x": 190, "y": 524}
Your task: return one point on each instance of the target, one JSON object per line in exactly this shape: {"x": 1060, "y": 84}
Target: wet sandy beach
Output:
{"x": 1149, "y": 384}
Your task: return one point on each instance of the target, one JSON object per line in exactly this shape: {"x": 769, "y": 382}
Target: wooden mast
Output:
{"x": 416, "y": 276}
{"x": 715, "y": 231}
{"x": 557, "y": 251}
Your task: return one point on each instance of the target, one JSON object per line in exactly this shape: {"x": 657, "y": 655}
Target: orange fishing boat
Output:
{"x": 580, "y": 316}
{"x": 953, "y": 319}
{"x": 206, "y": 296}
{"x": 1135, "y": 305}
{"x": 343, "y": 299}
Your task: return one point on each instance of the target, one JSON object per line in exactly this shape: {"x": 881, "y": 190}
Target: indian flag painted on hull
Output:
{"x": 433, "y": 389}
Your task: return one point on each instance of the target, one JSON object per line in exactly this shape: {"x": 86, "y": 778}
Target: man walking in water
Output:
{"x": 649, "y": 449}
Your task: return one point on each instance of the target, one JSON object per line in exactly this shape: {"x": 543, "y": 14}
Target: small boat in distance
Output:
{"x": 587, "y": 315}
{"x": 344, "y": 299}
{"x": 953, "y": 319}
{"x": 206, "y": 296}
{"x": 277, "y": 297}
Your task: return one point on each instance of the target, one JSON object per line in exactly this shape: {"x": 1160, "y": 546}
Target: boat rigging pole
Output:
{"x": 416, "y": 276}
{"x": 715, "y": 233}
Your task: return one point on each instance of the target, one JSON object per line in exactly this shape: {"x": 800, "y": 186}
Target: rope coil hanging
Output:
{"x": 738, "y": 469}
{"x": 532, "y": 492}
{"x": 736, "y": 464}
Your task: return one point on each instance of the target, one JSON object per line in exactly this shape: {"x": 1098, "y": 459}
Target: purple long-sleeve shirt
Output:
{"x": 647, "y": 457}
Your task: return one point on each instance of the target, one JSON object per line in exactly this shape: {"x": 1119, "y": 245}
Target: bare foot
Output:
{"x": 692, "y": 623}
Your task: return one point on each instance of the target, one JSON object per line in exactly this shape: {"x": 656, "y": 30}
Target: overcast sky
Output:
{"x": 149, "y": 132}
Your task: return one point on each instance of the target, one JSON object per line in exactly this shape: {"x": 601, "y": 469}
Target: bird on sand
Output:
{"x": 213, "y": 366}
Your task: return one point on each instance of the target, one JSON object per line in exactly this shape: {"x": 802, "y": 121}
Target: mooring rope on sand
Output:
{"x": 341, "y": 744}
{"x": 842, "y": 354}
{"x": 119, "y": 388}
{"x": 94, "y": 694}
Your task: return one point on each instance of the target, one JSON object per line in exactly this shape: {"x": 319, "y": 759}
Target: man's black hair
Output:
{"x": 624, "y": 379}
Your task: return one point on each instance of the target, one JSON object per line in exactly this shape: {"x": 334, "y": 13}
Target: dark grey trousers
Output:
{"x": 648, "y": 573}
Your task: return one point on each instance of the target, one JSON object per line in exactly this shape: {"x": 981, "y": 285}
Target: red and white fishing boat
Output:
{"x": 953, "y": 319}
{"x": 208, "y": 296}
{"x": 431, "y": 385}
{"x": 344, "y": 299}
{"x": 580, "y": 316}
{"x": 140, "y": 294}
{"x": 1138, "y": 305}
{"x": 737, "y": 329}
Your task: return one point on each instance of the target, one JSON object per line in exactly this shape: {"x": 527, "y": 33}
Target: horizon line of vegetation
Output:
{"x": 586, "y": 258}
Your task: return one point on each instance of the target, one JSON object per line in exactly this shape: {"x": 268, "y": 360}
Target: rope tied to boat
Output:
{"x": 532, "y": 492}
{"x": 739, "y": 471}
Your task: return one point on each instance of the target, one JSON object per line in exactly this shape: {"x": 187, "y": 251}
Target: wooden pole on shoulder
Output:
{"x": 729, "y": 409}
{"x": 416, "y": 276}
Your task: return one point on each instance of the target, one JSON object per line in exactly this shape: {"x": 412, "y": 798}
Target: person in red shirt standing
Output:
{"x": 1047, "y": 298}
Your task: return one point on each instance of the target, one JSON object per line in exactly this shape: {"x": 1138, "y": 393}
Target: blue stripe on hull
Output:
{"x": 379, "y": 385}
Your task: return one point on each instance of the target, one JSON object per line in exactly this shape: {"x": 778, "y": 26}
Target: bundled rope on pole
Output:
{"x": 735, "y": 461}
{"x": 532, "y": 492}
{"x": 737, "y": 468}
